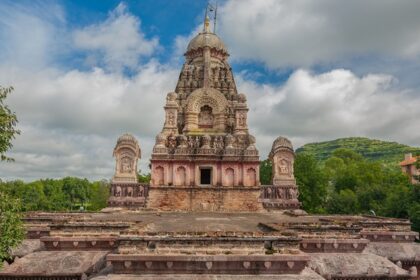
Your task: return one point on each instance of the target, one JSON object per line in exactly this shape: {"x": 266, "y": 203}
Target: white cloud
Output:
{"x": 70, "y": 119}
{"x": 314, "y": 107}
{"x": 118, "y": 40}
{"x": 31, "y": 37}
{"x": 303, "y": 33}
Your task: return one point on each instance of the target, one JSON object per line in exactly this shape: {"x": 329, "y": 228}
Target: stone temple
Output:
{"x": 205, "y": 214}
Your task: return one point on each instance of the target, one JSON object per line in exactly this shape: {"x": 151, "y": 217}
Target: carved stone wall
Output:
{"x": 208, "y": 199}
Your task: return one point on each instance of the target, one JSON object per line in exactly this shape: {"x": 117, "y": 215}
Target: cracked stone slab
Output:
{"x": 403, "y": 252}
{"x": 342, "y": 265}
{"x": 26, "y": 247}
{"x": 46, "y": 263}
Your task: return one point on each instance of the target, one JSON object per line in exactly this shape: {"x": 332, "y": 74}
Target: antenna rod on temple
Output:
{"x": 215, "y": 19}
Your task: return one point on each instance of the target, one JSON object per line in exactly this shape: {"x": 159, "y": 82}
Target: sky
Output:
{"x": 85, "y": 72}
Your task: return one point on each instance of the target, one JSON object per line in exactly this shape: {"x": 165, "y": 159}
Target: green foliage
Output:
{"x": 346, "y": 182}
{"x": 65, "y": 194}
{"x": 312, "y": 182}
{"x": 390, "y": 153}
{"x": 8, "y": 122}
{"x": 99, "y": 193}
{"x": 76, "y": 190}
{"x": 414, "y": 214}
{"x": 143, "y": 178}
{"x": 11, "y": 227}
{"x": 343, "y": 202}
{"x": 266, "y": 171}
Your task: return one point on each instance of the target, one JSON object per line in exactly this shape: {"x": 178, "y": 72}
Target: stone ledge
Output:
{"x": 35, "y": 232}
{"x": 390, "y": 236}
{"x": 306, "y": 274}
{"x": 206, "y": 188}
{"x": 95, "y": 243}
{"x": 208, "y": 264}
{"x": 333, "y": 245}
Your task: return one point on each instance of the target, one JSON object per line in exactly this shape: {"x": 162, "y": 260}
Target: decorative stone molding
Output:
{"x": 207, "y": 264}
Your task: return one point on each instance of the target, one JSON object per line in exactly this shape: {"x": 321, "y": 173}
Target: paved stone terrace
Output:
{"x": 129, "y": 245}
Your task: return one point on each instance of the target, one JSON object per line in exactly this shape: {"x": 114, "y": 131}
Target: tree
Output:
{"x": 11, "y": 227}
{"x": 344, "y": 202}
{"x": 99, "y": 193}
{"x": 417, "y": 177}
{"x": 143, "y": 178}
{"x": 76, "y": 190}
{"x": 312, "y": 182}
{"x": 266, "y": 170}
{"x": 414, "y": 214}
{"x": 8, "y": 122}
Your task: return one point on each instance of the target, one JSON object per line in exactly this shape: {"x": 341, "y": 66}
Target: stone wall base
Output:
{"x": 205, "y": 199}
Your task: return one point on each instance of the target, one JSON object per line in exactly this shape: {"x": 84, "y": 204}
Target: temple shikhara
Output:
{"x": 205, "y": 214}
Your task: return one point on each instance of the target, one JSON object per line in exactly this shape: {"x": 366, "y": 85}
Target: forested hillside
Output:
{"x": 371, "y": 149}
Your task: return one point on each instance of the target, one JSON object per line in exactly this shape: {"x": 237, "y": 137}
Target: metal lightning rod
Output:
{"x": 215, "y": 19}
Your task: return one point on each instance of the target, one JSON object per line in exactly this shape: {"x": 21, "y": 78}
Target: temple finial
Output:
{"x": 206, "y": 24}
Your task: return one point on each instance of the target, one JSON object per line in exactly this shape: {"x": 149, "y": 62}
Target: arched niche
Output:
{"x": 251, "y": 177}
{"x": 229, "y": 177}
{"x": 206, "y": 117}
{"x": 201, "y": 102}
{"x": 181, "y": 176}
{"x": 159, "y": 176}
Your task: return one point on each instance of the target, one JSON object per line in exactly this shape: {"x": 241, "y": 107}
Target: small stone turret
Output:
{"x": 126, "y": 153}
{"x": 283, "y": 193}
{"x": 282, "y": 157}
{"x": 125, "y": 190}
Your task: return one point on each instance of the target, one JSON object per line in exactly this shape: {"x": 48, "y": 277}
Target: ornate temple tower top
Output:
{"x": 205, "y": 124}
{"x": 206, "y": 100}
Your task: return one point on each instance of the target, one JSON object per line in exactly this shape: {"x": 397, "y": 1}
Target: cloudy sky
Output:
{"x": 85, "y": 72}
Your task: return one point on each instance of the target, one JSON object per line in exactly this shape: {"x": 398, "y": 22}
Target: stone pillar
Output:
{"x": 191, "y": 122}
{"x": 171, "y": 115}
{"x": 241, "y": 112}
{"x": 207, "y": 69}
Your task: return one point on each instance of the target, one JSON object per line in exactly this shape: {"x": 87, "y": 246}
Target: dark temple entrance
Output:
{"x": 205, "y": 176}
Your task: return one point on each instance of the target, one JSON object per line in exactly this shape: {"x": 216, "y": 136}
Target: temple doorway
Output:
{"x": 205, "y": 176}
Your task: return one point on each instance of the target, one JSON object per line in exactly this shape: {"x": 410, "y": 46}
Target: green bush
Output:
{"x": 11, "y": 227}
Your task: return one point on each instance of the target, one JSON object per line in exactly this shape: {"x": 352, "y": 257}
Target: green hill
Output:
{"x": 377, "y": 150}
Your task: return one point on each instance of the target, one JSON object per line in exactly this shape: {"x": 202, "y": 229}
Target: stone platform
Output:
{"x": 186, "y": 245}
